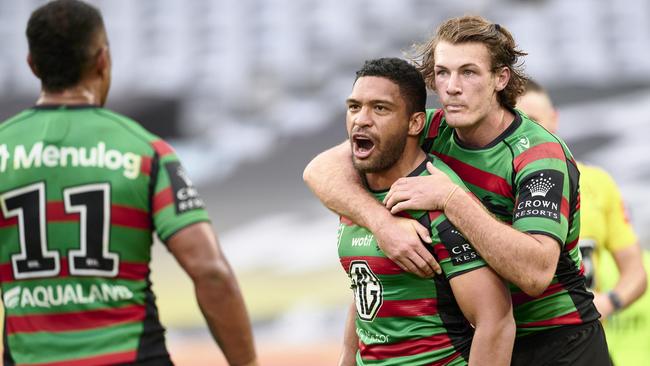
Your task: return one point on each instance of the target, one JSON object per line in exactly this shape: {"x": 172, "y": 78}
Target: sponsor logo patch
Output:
{"x": 540, "y": 195}
{"x": 460, "y": 251}
{"x": 186, "y": 197}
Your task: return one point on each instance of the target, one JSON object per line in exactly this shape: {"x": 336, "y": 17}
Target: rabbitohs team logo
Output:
{"x": 368, "y": 290}
{"x": 540, "y": 195}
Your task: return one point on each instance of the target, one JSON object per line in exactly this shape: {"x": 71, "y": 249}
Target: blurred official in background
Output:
{"x": 605, "y": 234}
{"x": 82, "y": 191}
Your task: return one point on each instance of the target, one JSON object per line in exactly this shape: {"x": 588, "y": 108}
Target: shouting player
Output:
{"x": 523, "y": 175}
{"x": 81, "y": 193}
{"x": 403, "y": 319}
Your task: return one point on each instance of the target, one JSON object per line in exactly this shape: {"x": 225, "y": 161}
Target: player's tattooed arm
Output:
{"x": 197, "y": 250}
{"x": 334, "y": 180}
{"x": 350, "y": 339}
{"x": 491, "y": 315}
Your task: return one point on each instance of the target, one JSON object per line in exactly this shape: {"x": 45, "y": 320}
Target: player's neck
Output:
{"x": 486, "y": 130}
{"x": 412, "y": 156}
{"x": 77, "y": 95}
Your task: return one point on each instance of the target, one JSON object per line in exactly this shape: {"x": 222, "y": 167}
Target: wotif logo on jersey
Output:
{"x": 50, "y": 156}
{"x": 364, "y": 241}
{"x": 61, "y": 295}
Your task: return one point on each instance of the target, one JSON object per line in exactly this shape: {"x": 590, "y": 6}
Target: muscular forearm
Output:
{"x": 517, "y": 257}
{"x": 223, "y": 307}
{"x": 333, "y": 179}
{"x": 492, "y": 343}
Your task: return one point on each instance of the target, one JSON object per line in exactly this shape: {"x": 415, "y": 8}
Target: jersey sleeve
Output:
{"x": 543, "y": 188}
{"x": 176, "y": 203}
{"x": 620, "y": 233}
{"x": 454, "y": 253}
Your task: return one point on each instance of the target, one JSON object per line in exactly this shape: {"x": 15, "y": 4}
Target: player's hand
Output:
{"x": 419, "y": 193}
{"x": 603, "y": 305}
{"x": 401, "y": 240}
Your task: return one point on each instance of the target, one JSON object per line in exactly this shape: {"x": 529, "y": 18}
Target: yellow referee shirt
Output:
{"x": 603, "y": 221}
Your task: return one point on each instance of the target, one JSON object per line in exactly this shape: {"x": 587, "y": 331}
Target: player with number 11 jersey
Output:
{"x": 77, "y": 210}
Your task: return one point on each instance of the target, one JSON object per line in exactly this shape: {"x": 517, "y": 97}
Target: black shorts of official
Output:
{"x": 574, "y": 345}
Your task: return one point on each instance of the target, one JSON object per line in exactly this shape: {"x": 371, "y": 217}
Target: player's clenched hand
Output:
{"x": 419, "y": 193}
{"x": 401, "y": 240}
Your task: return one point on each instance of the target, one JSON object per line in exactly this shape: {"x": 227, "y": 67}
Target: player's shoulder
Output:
{"x": 136, "y": 131}
{"x": 533, "y": 131}
{"x": 12, "y": 121}
{"x": 443, "y": 167}
{"x": 124, "y": 122}
{"x": 435, "y": 122}
{"x": 530, "y": 140}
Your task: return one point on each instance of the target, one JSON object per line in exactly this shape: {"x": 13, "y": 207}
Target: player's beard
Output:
{"x": 386, "y": 154}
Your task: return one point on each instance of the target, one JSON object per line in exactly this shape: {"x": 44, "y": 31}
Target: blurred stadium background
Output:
{"x": 248, "y": 91}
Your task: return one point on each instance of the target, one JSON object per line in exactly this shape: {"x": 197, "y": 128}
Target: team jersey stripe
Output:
{"x": 571, "y": 245}
{"x": 108, "y": 359}
{"x": 435, "y": 123}
{"x": 379, "y": 265}
{"x": 120, "y": 215}
{"x": 127, "y": 271}
{"x": 522, "y": 297}
{"x": 80, "y": 320}
{"x": 402, "y": 308}
{"x": 570, "y": 318}
{"x": 441, "y": 251}
{"x": 162, "y": 199}
{"x": 145, "y": 165}
{"x": 546, "y": 150}
{"x": 162, "y": 148}
{"x": 12, "y": 221}
{"x": 433, "y": 215}
{"x": 130, "y": 217}
{"x": 404, "y": 348}
{"x": 482, "y": 179}
{"x": 564, "y": 208}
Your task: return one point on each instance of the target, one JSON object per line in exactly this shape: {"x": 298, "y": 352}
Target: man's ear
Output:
{"x": 32, "y": 66}
{"x": 502, "y": 78}
{"x": 416, "y": 123}
{"x": 103, "y": 61}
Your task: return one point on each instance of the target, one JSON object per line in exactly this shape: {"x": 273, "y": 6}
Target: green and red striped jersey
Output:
{"x": 528, "y": 179}
{"x": 82, "y": 191}
{"x": 403, "y": 319}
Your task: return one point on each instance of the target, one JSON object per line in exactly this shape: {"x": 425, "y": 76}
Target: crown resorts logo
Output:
{"x": 540, "y": 196}
{"x": 539, "y": 187}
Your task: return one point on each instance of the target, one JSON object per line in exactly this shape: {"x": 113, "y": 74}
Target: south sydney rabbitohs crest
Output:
{"x": 368, "y": 291}
{"x": 540, "y": 195}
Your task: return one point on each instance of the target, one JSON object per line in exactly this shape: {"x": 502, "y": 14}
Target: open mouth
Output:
{"x": 362, "y": 146}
